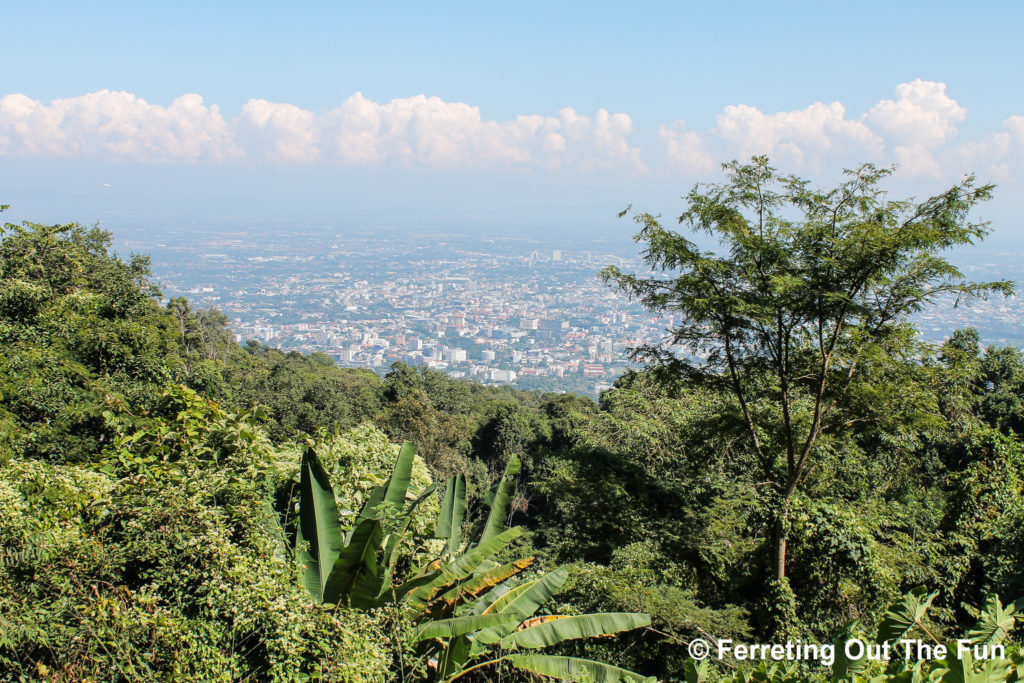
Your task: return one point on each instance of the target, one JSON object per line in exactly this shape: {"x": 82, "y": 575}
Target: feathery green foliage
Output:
{"x": 800, "y": 318}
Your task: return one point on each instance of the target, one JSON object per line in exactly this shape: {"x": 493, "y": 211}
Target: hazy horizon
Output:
{"x": 531, "y": 120}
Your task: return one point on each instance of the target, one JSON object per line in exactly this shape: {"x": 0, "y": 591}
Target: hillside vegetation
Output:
{"x": 151, "y": 471}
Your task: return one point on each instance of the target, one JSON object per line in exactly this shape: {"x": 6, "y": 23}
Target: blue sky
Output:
{"x": 523, "y": 112}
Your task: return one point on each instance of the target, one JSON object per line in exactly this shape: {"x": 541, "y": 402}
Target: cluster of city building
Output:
{"x": 506, "y": 311}
{"x": 481, "y": 340}
{"x": 510, "y": 314}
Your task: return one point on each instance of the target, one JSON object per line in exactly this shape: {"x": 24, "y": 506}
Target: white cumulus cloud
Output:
{"x": 796, "y": 138}
{"x": 278, "y": 132}
{"x": 115, "y": 125}
{"x": 428, "y": 131}
{"x": 916, "y": 130}
{"x": 922, "y": 114}
{"x": 687, "y": 149}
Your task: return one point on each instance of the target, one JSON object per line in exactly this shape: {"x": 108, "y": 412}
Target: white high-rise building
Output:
{"x": 528, "y": 323}
{"x": 453, "y": 355}
{"x": 501, "y": 375}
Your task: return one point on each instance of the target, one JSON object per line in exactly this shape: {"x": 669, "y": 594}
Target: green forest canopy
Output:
{"x": 148, "y": 463}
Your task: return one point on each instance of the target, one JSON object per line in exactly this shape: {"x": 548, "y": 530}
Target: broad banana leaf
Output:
{"x": 575, "y": 669}
{"x": 453, "y": 512}
{"x": 497, "y": 519}
{"x": 554, "y": 630}
{"x": 395, "y": 538}
{"x": 367, "y": 590}
{"x": 356, "y": 571}
{"x": 396, "y": 593}
{"x": 371, "y": 508}
{"x": 398, "y": 485}
{"x": 318, "y": 525}
{"x": 905, "y": 614}
{"x": 522, "y": 601}
{"x": 481, "y": 604}
{"x": 460, "y": 568}
{"x": 457, "y": 626}
{"x": 911, "y": 674}
{"x": 995, "y": 671}
{"x": 527, "y": 598}
{"x": 481, "y": 583}
{"x": 455, "y": 655}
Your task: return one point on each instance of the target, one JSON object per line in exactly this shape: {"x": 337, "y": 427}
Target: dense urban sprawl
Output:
{"x": 504, "y": 310}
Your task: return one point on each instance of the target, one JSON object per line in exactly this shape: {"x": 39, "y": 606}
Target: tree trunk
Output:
{"x": 780, "y": 554}
{"x": 781, "y": 534}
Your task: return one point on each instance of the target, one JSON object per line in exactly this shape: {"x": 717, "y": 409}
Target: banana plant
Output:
{"x": 353, "y": 567}
{"x": 467, "y": 617}
{"x": 453, "y": 512}
{"x": 356, "y": 567}
{"x": 488, "y": 631}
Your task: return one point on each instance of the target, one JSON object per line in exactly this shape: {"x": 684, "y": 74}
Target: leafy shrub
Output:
{"x": 157, "y": 562}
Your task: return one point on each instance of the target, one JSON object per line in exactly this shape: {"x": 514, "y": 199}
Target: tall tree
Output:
{"x": 803, "y": 317}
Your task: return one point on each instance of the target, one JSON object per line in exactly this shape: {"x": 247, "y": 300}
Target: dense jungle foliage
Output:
{"x": 156, "y": 480}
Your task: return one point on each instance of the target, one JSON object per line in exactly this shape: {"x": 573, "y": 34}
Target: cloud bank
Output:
{"x": 917, "y": 128}
{"x": 413, "y": 131}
